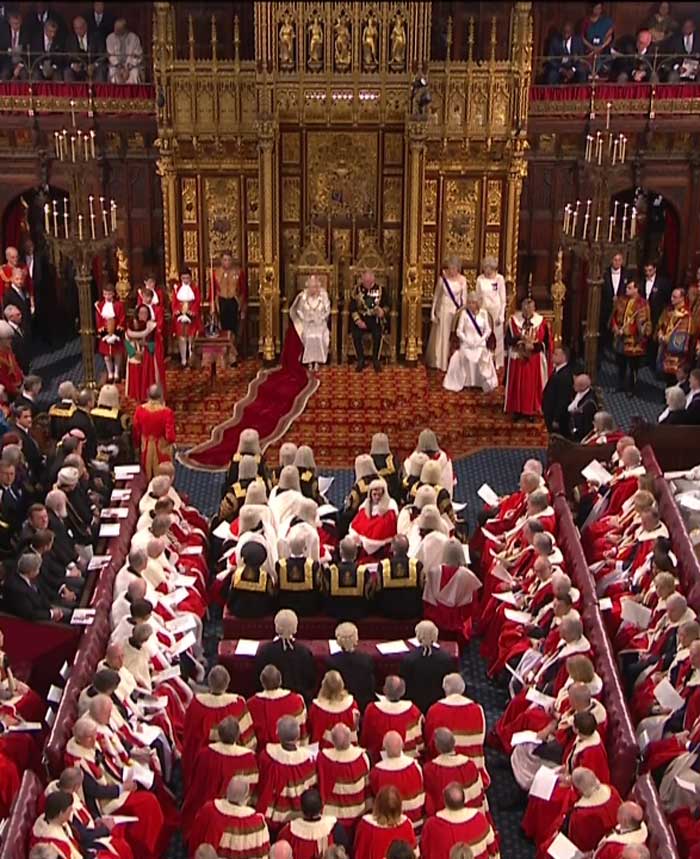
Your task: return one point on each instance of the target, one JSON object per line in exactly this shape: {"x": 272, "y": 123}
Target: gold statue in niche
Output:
{"x": 342, "y": 44}
{"x": 315, "y": 61}
{"x": 286, "y": 44}
{"x": 370, "y": 40}
{"x": 397, "y": 55}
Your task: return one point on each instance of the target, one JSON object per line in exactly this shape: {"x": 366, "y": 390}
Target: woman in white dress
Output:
{"x": 471, "y": 366}
{"x": 449, "y": 298}
{"x": 309, "y": 313}
{"x": 491, "y": 289}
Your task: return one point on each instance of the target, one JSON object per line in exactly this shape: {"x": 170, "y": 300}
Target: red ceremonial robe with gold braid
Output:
{"x": 267, "y": 708}
{"x": 584, "y": 819}
{"x": 343, "y": 781}
{"x": 284, "y": 775}
{"x": 463, "y": 826}
{"x": 400, "y": 716}
{"x": 235, "y": 831}
{"x": 214, "y": 767}
{"x": 465, "y": 718}
{"x": 372, "y": 840}
{"x": 527, "y": 371}
{"x": 203, "y": 714}
{"x": 611, "y": 845}
{"x": 309, "y": 838}
{"x": 403, "y": 773}
{"x": 444, "y": 770}
{"x": 154, "y": 435}
{"x": 325, "y": 715}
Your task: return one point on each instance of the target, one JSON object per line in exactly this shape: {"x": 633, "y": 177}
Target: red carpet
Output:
{"x": 275, "y": 398}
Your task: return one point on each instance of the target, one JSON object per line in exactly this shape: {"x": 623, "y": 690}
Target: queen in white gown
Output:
{"x": 472, "y": 364}
{"x": 309, "y": 314}
{"x": 450, "y": 294}
{"x": 491, "y": 289}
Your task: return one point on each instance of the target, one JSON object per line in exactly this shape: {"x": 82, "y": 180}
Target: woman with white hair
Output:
{"x": 374, "y": 526}
{"x": 674, "y": 413}
{"x": 471, "y": 366}
{"x": 491, "y": 289}
{"x": 449, "y": 297}
{"x": 309, "y": 314}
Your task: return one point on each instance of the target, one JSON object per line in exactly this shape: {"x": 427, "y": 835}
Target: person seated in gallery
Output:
{"x": 355, "y": 667}
{"x": 565, "y": 57}
{"x": 294, "y": 660}
{"x": 472, "y": 365}
{"x": 598, "y": 32}
{"x": 125, "y": 55}
{"x": 299, "y": 579}
{"x": 86, "y": 51}
{"x": 685, "y": 66}
{"x": 399, "y": 583}
{"x": 384, "y": 462}
{"x": 309, "y": 314}
{"x": 368, "y": 315}
{"x": 640, "y": 66}
{"x": 252, "y": 589}
{"x": 348, "y": 585}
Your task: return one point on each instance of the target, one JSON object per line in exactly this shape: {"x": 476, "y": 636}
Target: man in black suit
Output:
{"x": 13, "y": 505}
{"x": 614, "y": 282}
{"x": 29, "y": 395}
{"x": 558, "y": 392}
{"x": 685, "y": 66}
{"x": 88, "y": 54}
{"x": 582, "y": 408}
{"x": 100, "y": 20}
{"x": 566, "y": 53}
{"x": 691, "y": 414}
{"x": 356, "y": 669}
{"x": 22, "y": 595}
{"x": 657, "y": 291}
{"x": 21, "y": 344}
{"x": 22, "y": 425}
{"x": 16, "y": 294}
{"x": 14, "y": 45}
{"x": 43, "y": 12}
{"x": 82, "y": 420}
{"x": 47, "y": 50}
{"x": 294, "y": 661}
{"x": 424, "y": 670}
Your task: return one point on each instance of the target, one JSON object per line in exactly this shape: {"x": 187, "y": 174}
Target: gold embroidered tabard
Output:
{"x": 289, "y": 579}
{"x": 400, "y": 576}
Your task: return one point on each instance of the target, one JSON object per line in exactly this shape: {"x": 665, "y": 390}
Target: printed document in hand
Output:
{"x": 507, "y": 597}
{"x": 110, "y": 529}
{"x": 487, "y": 495}
{"x": 518, "y": 616}
{"x": 667, "y": 696}
{"x": 596, "y": 473}
{"x": 544, "y": 783}
{"x": 222, "y": 530}
{"x": 635, "y": 613}
{"x": 562, "y": 848}
{"x": 520, "y": 737}
{"x": 333, "y": 646}
{"x": 324, "y": 484}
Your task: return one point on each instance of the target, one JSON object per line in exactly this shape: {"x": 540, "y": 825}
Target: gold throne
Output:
{"x": 312, "y": 260}
{"x": 372, "y": 259}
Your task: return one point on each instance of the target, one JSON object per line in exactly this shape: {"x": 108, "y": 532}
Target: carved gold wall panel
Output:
{"x": 342, "y": 244}
{"x": 291, "y": 147}
{"x": 222, "y": 202}
{"x": 428, "y": 283}
{"x": 291, "y": 198}
{"x": 492, "y": 245}
{"x": 190, "y": 243}
{"x": 392, "y": 199}
{"x": 391, "y": 241}
{"x": 461, "y": 208}
{"x": 189, "y": 199}
{"x": 342, "y": 174}
{"x": 430, "y": 202}
{"x": 253, "y": 246}
{"x": 494, "y": 196}
{"x": 393, "y": 148}
{"x": 428, "y": 248}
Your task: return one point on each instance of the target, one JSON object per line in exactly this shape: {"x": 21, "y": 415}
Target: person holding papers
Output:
{"x": 614, "y": 492}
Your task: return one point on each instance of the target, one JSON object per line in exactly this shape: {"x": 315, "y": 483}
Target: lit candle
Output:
{"x": 92, "y": 216}
{"x": 113, "y": 211}
{"x": 600, "y": 152}
{"x": 624, "y": 212}
{"x": 607, "y": 117}
{"x": 104, "y": 215}
{"x": 573, "y": 225}
{"x": 55, "y": 218}
{"x": 617, "y": 203}
{"x": 86, "y": 153}
{"x": 80, "y": 227}
{"x": 58, "y": 145}
{"x": 72, "y": 148}
{"x": 610, "y": 228}
{"x": 585, "y": 225}
{"x": 92, "y": 143}
{"x": 46, "y": 219}
{"x": 597, "y": 227}
{"x": 598, "y": 145}
{"x": 64, "y": 144}
{"x": 624, "y": 226}
{"x": 72, "y": 112}
{"x": 567, "y": 211}
{"x": 633, "y": 223}
{"x": 623, "y": 149}
{"x": 80, "y": 141}
{"x": 614, "y": 154}
{"x": 65, "y": 216}
{"x": 589, "y": 146}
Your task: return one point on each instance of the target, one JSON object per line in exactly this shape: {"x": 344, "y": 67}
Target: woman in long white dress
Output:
{"x": 471, "y": 365}
{"x": 309, "y": 313}
{"x": 491, "y": 289}
{"x": 449, "y": 298}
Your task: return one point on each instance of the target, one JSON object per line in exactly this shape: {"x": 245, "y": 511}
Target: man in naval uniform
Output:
{"x": 368, "y": 317}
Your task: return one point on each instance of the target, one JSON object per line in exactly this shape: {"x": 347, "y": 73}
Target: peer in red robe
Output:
{"x": 9, "y": 784}
{"x": 403, "y": 773}
{"x": 458, "y": 825}
{"x": 612, "y": 845}
{"x": 463, "y": 717}
{"x": 11, "y": 375}
{"x": 155, "y": 312}
{"x": 343, "y": 782}
{"x": 286, "y": 771}
{"x": 373, "y": 839}
{"x": 266, "y": 708}
{"x": 325, "y": 714}
{"x": 452, "y": 767}
{"x": 235, "y": 831}
{"x": 385, "y": 715}
{"x": 585, "y": 819}
{"x": 374, "y": 525}
{"x": 110, "y": 325}
{"x": 309, "y": 839}
{"x": 154, "y": 434}
{"x": 529, "y": 346}
{"x": 186, "y": 305}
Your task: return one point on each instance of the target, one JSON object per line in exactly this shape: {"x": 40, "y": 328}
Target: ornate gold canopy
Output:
{"x": 331, "y": 129}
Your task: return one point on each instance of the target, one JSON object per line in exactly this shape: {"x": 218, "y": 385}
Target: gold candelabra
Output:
{"x": 595, "y": 228}
{"x": 85, "y": 228}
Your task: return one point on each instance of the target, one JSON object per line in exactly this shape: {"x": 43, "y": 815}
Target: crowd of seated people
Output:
{"x": 662, "y": 49}
{"x": 37, "y": 43}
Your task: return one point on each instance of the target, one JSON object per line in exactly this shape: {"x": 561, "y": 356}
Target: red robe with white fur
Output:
{"x": 445, "y": 769}
{"x": 465, "y": 718}
{"x": 526, "y": 377}
{"x": 403, "y": 773}
{"x": 463, "y": 826}
{"x": 343, "y": 781}
{"x": 309, "y": 838}
{"x": 383, "y": 716}
{"x": 194, "y": 311}
{"x": 267, "y": 708}
{"x": 325, "y": 715}
{"x": 235, "y": 831}
{"x": 284, "y": 775}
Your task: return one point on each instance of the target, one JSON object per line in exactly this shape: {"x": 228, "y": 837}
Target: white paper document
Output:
{"x": 82, "y": 616}
{"x": 667, "y": 696}
{"x": 120, "y": 495}
{"x": 24, "y": 726}
{"x": 507, "y": 597}
{"x": 169, "y": 673}
{"x": 534, "y": 696}
{"x": 184, "y": 623}
{"x": 247, "y": 647}
{"x": 333, "y": 646}
{"x": 520, "y": 737}
{"x": 605, "y": 604}
{"x": 191, "y": 551}
{"x": 122, "y": 818}
{"x": 65, "y": 671}
{"x": 596, "y": 473}
{"x": 222, "y": 530}
{"x": 326, "y": 510}
{"x": 324, "y": 484}
{"x": 114, "y": 513}
{"x": 684, "y": 784}
{"x": 487, "y": 495}
{"x": 635, "y": 613}
{"x": 50, "y": 717}
{"x": 99, "y": 561}
{"x": 501, "y": 573}
{"x": 54, "y": 694}
{"x": 110, "y": 529}
{"x": 544, "y": 782}
{"x": 518, "y": 616}
{"x": 147, "y": 733}
{"x": 562, "y": 848}
{"x": 184, "y": 644}
{"x": 689, "y": 501}
{"x": 122, "y": 471}
{"x": 388, "y": 647}
{"x": 489, "y": 536}
{"x": 176, "y": 597}
{"x": 181, "y": 581}
{"x": 140, "y": 774}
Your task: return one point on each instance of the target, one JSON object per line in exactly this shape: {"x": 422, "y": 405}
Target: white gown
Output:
{"x": 492, "y": 292}
{"x": 310, "y": 317}
{"x": 472, "y": 364}
{"x": 444, "y": 310}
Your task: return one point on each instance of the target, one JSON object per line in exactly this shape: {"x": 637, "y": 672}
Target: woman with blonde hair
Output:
{"x": 491, "y": 289}
{"x": 333, "y": 705}
{"x": 377, "y": 831}
{"x": 448, "y": 300}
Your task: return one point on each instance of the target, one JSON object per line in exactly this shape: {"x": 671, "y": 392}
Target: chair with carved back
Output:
{"x": 371, "y": 259}
{"x": 312, "y": 259}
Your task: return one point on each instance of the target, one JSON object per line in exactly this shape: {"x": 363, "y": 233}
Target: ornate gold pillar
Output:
{"x": 413, "y": 231}
{"x": 163, "y": 57}
{"x": 168, "y": 185}
{"x": 558, "y": 295}
{"x": 595, "y": 288}
{"x": 516, "y": 173}
{"x": 269, "y": 213}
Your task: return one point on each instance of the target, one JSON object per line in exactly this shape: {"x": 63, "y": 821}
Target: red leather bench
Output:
{"x": 15, "y": 841}
{"x": 318, "y": 626}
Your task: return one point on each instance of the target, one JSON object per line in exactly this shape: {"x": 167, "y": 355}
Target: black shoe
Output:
{"x": 377, "y": 367}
